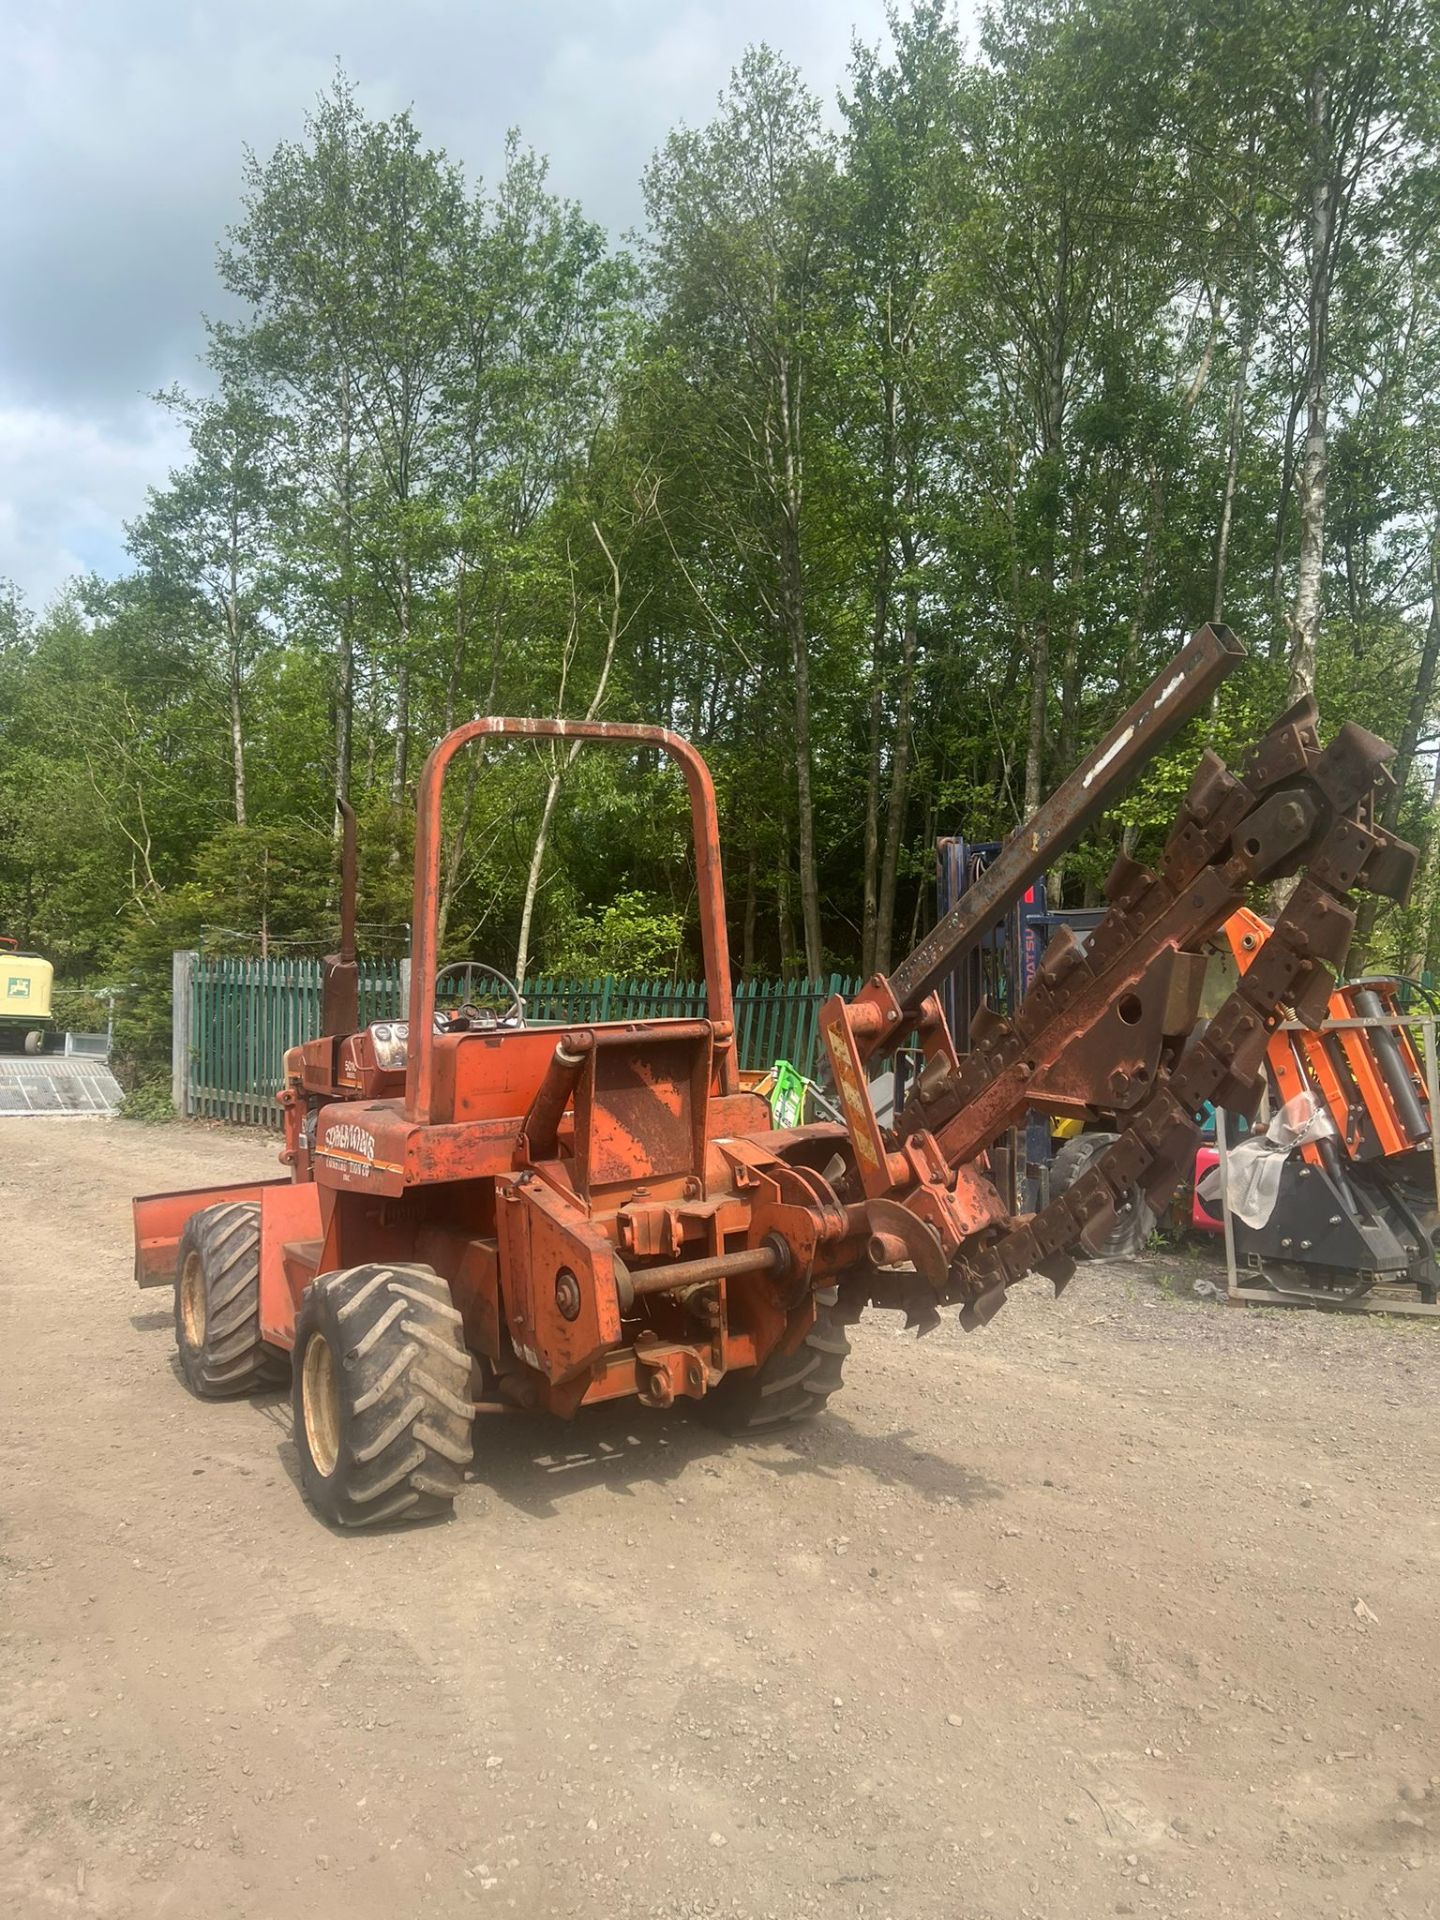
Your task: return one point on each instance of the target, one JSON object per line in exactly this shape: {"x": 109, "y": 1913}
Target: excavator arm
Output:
{"x": 1110, "y": 1026}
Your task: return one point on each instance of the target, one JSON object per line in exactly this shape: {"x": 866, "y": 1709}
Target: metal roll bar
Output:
{"x": 715, "y": 946}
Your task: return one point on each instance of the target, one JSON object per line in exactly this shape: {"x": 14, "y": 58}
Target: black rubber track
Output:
{"x": 230, "y": 1357}
{"x": 401, "y": 1373}
{"x": 1132, "y": 1230}
{"x": 788, "y": 1387}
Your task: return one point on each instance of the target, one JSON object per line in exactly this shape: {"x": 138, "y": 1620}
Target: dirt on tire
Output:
{"x": 1125, "y": 1605}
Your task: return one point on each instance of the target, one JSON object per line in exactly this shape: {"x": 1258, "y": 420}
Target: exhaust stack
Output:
{"x": 340, "y": 980}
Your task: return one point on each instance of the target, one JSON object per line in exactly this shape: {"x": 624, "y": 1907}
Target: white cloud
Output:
{"x": 124, "y": 131}
{"x": 68, "y": 484}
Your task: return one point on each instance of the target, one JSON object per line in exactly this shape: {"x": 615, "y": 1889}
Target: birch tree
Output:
{"x": 207, "y": 541}
{"x": 293, "y": 260}
{"x": 739, "y": 214}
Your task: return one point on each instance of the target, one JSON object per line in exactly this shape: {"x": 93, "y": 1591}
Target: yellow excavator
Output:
{"x": 26, "y": 984}
{"x": 44, "y": 1070}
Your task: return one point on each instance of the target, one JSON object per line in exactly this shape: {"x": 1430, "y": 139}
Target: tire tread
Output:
{"x": 405, "y": 1434}
{"x": 787, "y": 1387}
{"x": 234, "y": 1357}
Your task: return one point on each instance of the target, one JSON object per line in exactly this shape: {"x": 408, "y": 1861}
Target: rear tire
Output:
{"x": 217, "y": 1305}
{"x": 787, "y": 1387}
{"x": 1133, "y": 1228}
{"x": 381, "y": 1396}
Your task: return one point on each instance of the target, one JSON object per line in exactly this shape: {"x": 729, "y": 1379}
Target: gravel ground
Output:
{"x": 1126, "y": 1605}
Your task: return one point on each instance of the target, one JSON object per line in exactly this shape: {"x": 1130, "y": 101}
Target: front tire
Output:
{"x": 787, "y": 1387}
{"x": 217, "y": 1305}
{"x": 381, "y": 1396}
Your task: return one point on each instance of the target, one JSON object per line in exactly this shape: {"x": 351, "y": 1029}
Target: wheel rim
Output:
{"x": 192, "y": 1302}
{"x": 320, "y": 1398}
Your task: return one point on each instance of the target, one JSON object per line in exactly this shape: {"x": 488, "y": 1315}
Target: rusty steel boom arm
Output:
{"x": 1170, "y": 700}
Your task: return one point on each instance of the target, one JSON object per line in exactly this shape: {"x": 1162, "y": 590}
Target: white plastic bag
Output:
{"x": 1255, "y": 1163}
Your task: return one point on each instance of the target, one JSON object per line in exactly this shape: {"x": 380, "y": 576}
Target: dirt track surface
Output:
{"x": 1056, "y": 1620}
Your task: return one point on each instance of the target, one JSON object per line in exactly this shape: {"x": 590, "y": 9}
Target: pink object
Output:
{"x": 1201, "y": 1218}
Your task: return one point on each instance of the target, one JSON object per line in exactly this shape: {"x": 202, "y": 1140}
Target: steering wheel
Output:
{"x": 471, "y": 1015}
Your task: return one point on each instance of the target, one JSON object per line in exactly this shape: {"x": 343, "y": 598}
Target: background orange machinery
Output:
{"x": 1358, "y": 1208}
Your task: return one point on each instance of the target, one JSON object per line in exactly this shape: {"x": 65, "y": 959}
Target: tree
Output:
{"x": 1356, "y": 64}
{"x": 207, "y": 540}
{"x": 739, "y": 212}
{"x": 409, "y": 205}
{"x": 1065, "y": 275}
{"x": 904, "y": 201}
{"x": 295, "y": 260}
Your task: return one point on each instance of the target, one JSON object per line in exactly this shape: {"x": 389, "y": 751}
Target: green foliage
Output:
{"x": 264, "y": 887}
{"x": 149, "y": 1100}
{"x": 889, "y": 468}
{"x": 627, "y": 937}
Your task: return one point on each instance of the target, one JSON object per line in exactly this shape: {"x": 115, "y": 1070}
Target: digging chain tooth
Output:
{"x": 1286, "y": 749}
{"x": 1351, "y": 768}
{"x": 1059, "y": 1271}
{"x": 1206, "y": 856}
{"x": 982, "y": 1309}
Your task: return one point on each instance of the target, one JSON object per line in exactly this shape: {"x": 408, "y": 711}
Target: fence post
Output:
{"x": 182, "y": 979}
{"x": 741, "y": 997}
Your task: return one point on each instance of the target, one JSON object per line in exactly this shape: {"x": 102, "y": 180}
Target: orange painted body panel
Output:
{"x": 489, "y": 1076}
{"x": 542, "y": 1236}
{"x": 159, "y": 1220}
{"x": 289, "y": 1223}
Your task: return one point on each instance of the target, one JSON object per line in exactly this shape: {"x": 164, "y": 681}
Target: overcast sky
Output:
{"x": 122, "y": 127}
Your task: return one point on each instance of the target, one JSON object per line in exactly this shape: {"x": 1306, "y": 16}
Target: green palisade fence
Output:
{"x": 245, "y": 1014}
{"x": 234, "y": 1020}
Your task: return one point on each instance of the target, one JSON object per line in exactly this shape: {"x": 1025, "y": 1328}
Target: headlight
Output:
{"x": 391, "y": 1041}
